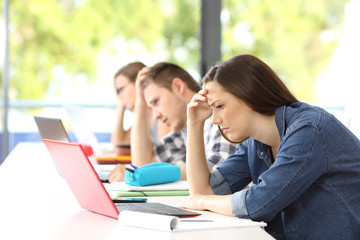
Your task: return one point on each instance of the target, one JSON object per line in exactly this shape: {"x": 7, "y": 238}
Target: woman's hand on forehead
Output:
{"x": 198, "y": 109}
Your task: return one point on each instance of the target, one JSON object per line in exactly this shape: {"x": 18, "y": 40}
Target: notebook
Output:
{"x": 53, "y": 129}
{"x": 89, "y": 190}
{"x": 121, "y": 189}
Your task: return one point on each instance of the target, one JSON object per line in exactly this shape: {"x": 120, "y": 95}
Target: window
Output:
{"x": 66, "y": 53}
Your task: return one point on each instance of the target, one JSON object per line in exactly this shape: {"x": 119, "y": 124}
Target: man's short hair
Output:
{"x": 163, "y": 74}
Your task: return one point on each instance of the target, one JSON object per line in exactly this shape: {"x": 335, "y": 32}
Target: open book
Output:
{"x": 175, "y": 224}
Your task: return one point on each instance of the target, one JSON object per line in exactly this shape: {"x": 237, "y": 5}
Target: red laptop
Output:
{"x": 88, "y": 189}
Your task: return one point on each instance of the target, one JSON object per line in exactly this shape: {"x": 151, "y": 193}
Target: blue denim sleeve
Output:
{"x": 235, "y": 169}
{"x": 231, "y": 177}
{"x": 238, "y": 204}
{"x": 299, "y": 162}
{"x": 220, "y": 186}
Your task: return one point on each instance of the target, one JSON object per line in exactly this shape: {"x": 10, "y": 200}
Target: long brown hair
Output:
{"x": 253, "y": 81}
{"x": 130, "y": 71}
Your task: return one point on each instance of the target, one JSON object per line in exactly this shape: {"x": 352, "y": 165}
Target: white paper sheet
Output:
{"x": 147, "y": 220}
{"x": 175, "y": 224}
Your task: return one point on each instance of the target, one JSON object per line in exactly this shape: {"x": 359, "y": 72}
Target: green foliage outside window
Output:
{"x": 288, "y": 35}
{"x": 71, "y": 34}
{"x": 296, "y": 37}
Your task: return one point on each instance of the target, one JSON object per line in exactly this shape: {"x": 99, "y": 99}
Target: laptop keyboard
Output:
{"x": 137, "y": 207}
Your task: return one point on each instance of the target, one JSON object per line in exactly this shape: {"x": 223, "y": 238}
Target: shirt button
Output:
{"x": 261, "y": 153}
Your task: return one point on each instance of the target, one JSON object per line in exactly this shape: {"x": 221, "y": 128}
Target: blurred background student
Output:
{"x": 167, "y": 88}
{"x": 124, "y": 82}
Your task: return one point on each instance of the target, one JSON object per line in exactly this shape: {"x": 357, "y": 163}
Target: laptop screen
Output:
{"x": 51, "y": 128}
{"x": 81, "y": 177}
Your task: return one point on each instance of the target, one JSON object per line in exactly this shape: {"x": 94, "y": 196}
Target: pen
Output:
{"x": 198, "y": 220}
{"x": 134, "y": 167}
{"x": 129, "y": 169}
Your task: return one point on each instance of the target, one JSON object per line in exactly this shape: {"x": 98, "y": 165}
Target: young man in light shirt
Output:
{"x": 167, "y": 89}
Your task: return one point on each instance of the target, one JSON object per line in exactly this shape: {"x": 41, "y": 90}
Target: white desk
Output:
{"x": 36, "y": 203}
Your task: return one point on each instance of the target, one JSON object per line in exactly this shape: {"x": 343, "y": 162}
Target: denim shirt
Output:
{"x": 311, "y": 191}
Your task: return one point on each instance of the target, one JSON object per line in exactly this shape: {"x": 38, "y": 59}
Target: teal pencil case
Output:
{"x": 153, "y": 173}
